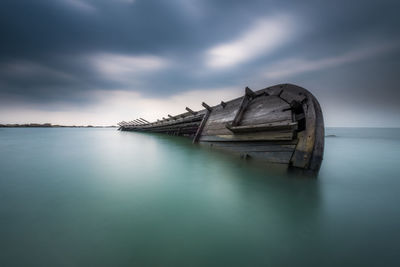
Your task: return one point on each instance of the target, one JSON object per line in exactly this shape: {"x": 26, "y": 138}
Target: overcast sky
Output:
{"x": 103, "y": 61}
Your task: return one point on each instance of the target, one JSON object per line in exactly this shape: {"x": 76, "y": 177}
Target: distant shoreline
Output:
{"x": 49, "y": 125}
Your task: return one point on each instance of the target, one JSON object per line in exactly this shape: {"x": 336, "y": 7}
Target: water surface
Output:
{"x": 99, "y": 197}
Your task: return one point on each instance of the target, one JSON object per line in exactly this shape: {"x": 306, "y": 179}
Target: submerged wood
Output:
{"x": 278, "y": 124}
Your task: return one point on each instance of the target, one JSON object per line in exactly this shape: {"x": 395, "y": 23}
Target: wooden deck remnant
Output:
{"x": 279, "y": 124}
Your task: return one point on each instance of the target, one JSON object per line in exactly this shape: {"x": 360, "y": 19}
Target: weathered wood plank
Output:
{"x": 229, "y": 110}
{"x": 217, "y": 119}
{"x": 275, "y": 90}
{"x": 265, "y": 109}
{"x": 222, "y": 125}
{"x": 254, "y": 143}
{"x": 273, "y": 117}
{"x": 255, "y": 113}
{"x": 221, "y": 129}
{"x": 290, "y": 94}
{"x": 262, "y": 136}
{"x": 263, "y": 127}
{"x": 162, "y": 128}
{"x": 252, "y": 148}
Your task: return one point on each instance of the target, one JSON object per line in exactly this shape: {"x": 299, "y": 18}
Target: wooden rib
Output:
{"x": 207, "y": 107}
{"x": 202, "y": 124}
{"x": 191, "y": 111}
{"x": 243, "y": 105}
{"x": 249, "y": 92}
{"x": 144, "y": 120}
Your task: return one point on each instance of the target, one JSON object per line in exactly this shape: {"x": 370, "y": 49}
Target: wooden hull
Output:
{"x": 279, "y": 124}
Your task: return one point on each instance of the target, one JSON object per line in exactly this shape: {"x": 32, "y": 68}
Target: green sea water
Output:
{"x": 100, "y": 197}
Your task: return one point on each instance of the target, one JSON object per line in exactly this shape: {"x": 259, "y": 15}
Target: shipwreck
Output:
{"x": 280, "y": 124}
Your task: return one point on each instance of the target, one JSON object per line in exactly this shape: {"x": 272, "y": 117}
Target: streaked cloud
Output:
{"x": 263, "y": 37}
{"x": 23, "y": 69}
{"x": 126, "y": 1}
{"x": 81, "y": 5}
{"x": 120, "y": 66}
{"x": 294, "y": 66}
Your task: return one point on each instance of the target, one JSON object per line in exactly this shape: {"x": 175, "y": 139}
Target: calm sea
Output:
{"x": 100, "y": 197}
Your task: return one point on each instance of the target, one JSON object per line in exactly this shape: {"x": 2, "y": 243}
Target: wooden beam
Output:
{"x": 202, "y": 124}
{"x": 243, "y": 105}
{"x": 142, "y": 120}
{"x": 249, "y": 92}
{"x": 191, "y": 111}
{"x": 206, "y": 106}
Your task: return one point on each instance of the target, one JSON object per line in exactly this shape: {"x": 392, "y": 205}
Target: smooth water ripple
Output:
{"x": 100, "y": 197}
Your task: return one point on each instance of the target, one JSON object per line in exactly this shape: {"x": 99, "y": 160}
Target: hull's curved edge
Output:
{"x": 310, "y": 147}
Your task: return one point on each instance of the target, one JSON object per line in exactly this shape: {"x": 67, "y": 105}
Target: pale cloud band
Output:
{"x": 263, "y": 37}
{"x": 117, "y": 65}
{"x": 293, "y": 66}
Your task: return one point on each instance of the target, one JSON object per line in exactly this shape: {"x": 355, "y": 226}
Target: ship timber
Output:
{"x": 278, "y": 124}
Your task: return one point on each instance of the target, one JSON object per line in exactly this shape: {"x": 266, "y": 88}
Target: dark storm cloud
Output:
{"x": 53, "y": 50}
